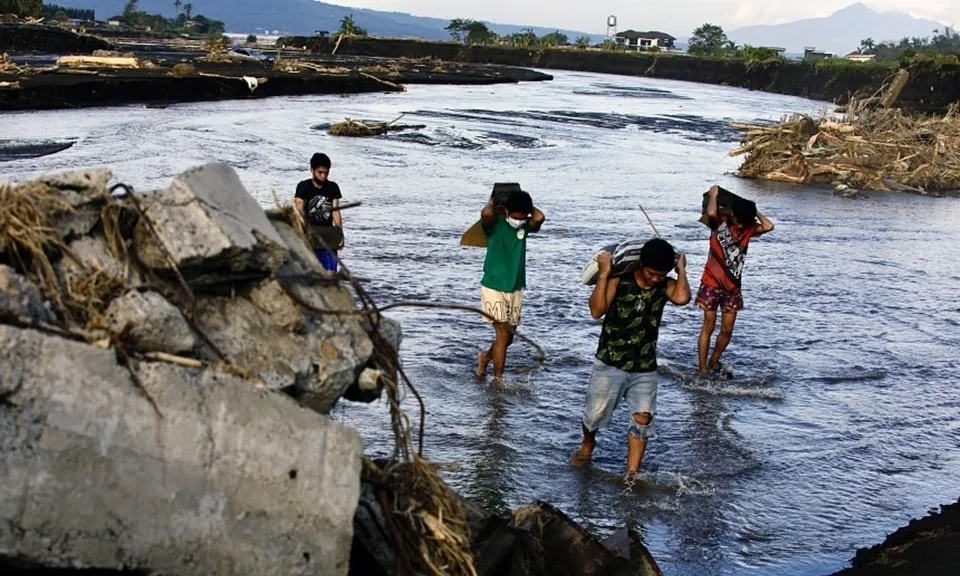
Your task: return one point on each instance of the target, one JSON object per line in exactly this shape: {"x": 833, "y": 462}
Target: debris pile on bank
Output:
{"x": 358, "y": 128}
{"x": 8, "y": 66}
{"x": 868, "y": 148}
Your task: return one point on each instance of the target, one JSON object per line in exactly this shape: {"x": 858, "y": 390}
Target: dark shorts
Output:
{"x": 327, "y": 260}
{"x": 710, "y": 298}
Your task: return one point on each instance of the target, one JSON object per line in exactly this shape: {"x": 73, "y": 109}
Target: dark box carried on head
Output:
{"x": 725, "y": 200}
{"x": 502, "y": 191}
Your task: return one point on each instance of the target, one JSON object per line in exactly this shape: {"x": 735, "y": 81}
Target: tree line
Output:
{"x": 160, "y": 23}
{"x": 476, "y": 32}
{"x": 22, "y": 8}
{"x": 945, "y": 42}
{"x": 710, "y": 40}
{"x": 54, "y": 12}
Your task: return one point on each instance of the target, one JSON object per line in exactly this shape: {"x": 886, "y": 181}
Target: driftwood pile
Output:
{"x": 351, "y": 127}
{"x": 8, "y": 66}
{"x": 130, "y": 62}
{"x": 294, "y": 66}
{"x": 868, "y": 148}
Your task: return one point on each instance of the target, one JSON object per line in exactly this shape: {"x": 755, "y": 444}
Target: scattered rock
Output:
{"x": 315, "y": 367}
{"x": 270, "y": 297}
{"x": 301, "y": 260}
{"x": 847, "y": 192}
{"x": 207, "y": 221}
{"x": 151, "y": 322}
{"x": 20, "y": 298}
{"x": 92, "y": 180}
{"x": 534, "y": 539}
{"x": 183, "y": 70}
{"x": 230, "y": 480}
{"x": 82, "y": 219}
{"x": 926, "y": 546}
{"x": 92, "y": 254}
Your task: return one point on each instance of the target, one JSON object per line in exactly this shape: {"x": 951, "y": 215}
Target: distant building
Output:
{"x": 198, "y": 27}
{"x": 811, "y": 53}
{"x": 634, "y": 40}
{"x": 776, "y": 49}
{"x": 859, "y": 56}
{"x": 116, "y": 20}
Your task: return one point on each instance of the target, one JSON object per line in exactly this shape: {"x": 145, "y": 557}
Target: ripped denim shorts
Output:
{"x": 608, "y": 385}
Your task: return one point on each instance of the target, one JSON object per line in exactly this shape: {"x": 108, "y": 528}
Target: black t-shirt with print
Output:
{"x": 318, "y": 202}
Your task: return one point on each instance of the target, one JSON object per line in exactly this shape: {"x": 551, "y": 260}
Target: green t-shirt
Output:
{"x": 504, "y": 268}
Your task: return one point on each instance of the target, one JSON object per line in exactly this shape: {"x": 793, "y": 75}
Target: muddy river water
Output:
{"x": 841, "y": 423}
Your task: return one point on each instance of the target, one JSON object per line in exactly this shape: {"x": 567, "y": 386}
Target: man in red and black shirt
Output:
{"x": 720, "y": 283}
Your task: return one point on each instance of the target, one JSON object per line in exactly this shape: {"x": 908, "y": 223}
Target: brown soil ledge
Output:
{"x": 66, "y": 88}
{"x": 928, "y": 547}
{"x": 16, "y": 37}
{"x": 59, "y": 87}
{"x": 931, "y": 88}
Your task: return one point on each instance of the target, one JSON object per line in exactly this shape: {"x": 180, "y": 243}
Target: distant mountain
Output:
{"x": 305, "y": 17}
{"x": 840, "y": 33}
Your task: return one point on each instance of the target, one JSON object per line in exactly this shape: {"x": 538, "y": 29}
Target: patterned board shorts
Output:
{"x": 503, "y": 306}
{"x": 711, "y": 297}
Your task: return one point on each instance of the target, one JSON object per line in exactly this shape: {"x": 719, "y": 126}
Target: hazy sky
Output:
{"x": 678, "y": 17}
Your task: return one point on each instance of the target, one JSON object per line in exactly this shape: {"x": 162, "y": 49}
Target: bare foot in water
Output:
{"x": 483, "y": 359}
{"x": 582, "y": 456}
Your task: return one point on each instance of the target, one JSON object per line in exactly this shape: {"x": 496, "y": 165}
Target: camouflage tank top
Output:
{"x": 628, "y": 339}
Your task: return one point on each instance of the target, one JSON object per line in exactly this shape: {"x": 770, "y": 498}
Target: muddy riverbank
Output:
{"x": 931, "y": 87}
{"x": 32, "y": 80}
{"x": 161, "y": 84}
{"x": 928, "y": 546}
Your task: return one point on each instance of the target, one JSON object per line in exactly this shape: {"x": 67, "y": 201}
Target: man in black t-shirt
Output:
{"x": 318, "y": 200}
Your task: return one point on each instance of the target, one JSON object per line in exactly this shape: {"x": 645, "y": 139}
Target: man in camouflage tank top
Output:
{"x": 626, "y": 359}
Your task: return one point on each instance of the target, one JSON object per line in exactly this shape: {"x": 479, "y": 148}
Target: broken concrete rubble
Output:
{"x": 152, "y": 323}
{"x": 207, "y": 221}
{"x": 224, "y": 480}
{"x": 111, "y": 459}
{"x": 20, "y": 298}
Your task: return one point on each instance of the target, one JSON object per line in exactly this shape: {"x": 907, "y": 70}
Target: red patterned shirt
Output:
{"x": 728, "y": 251}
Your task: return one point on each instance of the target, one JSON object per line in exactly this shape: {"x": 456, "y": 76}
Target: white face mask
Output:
{"x": 515, "y": 223}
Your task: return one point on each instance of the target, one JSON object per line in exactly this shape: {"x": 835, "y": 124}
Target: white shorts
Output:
{"x": 503, "y": 306}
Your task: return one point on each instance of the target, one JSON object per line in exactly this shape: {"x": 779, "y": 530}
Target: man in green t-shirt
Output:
{"x": 504, "y": 271}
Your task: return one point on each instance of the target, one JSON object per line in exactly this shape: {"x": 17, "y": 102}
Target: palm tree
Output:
{"x": 187, "y": 10}
{"x": 177, "y": 4}
{"x": 348, "y": 27}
